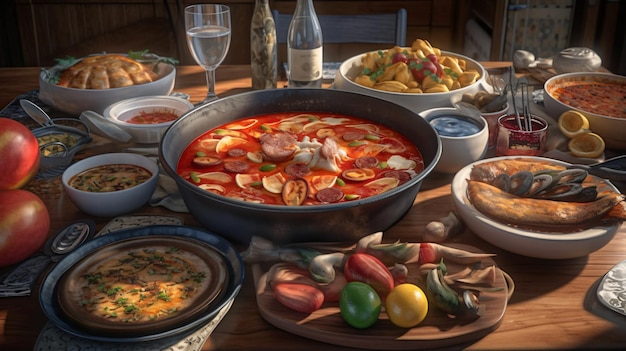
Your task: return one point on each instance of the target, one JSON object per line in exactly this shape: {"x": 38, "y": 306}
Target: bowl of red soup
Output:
{"x": 147, "y": 118}
{"x": 599, "y": 96}
{"x": 296, "y": 165}
{"x": 112, "y": 184}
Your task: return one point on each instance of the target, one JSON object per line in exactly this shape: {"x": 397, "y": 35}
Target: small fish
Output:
{"x": 512, "y": 209}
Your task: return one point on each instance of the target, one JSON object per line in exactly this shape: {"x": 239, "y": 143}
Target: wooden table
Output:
{"x": 553, "y": 307}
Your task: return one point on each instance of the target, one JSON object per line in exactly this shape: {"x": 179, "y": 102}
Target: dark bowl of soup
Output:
{"x": 296, "y": 165}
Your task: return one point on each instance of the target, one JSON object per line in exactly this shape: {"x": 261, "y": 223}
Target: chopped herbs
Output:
{"x": 142, "y": 285}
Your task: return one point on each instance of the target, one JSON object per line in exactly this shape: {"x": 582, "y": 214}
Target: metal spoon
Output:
{"x": 36, "y": 113}
{"x": 22, "y": 278}
{"x": 613, "y": 168}
{"x": 468, "y": 109}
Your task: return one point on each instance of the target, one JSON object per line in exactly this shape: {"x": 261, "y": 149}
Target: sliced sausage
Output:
{"x": 329, "y": 195}
{"x": 366, "y": 162}
{"x": 236, "y": 166}
{"x": 352, "y": 136}
{"x": 236, "y": 152}
{"x": 402, "y": 176}
{"x": 297, "y": 169}
{"x": 278, "y": 147}
{"x": 206, "y": 161}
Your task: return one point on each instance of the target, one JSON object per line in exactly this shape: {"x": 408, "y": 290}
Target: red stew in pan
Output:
{"x": 300, "y": 159}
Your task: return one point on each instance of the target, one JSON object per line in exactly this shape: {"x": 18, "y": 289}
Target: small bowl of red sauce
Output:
{"x": 146, "y": 118}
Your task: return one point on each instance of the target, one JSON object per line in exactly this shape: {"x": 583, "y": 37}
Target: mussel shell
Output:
{"x": 573, "y": 175}
{"x": 520, "y": 183}
{"x": 502, "y": 182}
{"x": 571, "y": 192}
{"x": 540, "y": 183}
{"x": 471, "y": 302}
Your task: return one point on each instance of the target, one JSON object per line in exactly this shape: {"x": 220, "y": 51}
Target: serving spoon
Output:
{"x": 36, "y": 113}
{"x": 106, "y": 128}
{"x": 613, "y": 168}
{"x": 22, "y": 278}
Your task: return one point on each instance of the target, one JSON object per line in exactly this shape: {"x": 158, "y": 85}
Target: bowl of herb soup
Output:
{"x": 111, "y": 184}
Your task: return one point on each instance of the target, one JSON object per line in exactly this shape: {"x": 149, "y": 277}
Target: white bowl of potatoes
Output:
{"x": 468, "y": 77}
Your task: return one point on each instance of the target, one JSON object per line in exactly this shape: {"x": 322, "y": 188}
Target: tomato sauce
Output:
{"x": 152, "y": 117}
{"x": 600, "y": 98}
{"x": 300, "y": 159}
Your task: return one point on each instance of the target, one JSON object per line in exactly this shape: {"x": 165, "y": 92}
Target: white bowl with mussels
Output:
{"x": 464, "y": 138}
{"x": 557, "y": 242}
{"x": 125, "y": 183}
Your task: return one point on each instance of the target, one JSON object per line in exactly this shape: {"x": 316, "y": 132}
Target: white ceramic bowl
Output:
{"x": 350, "y": 69}
{"x": 114, "y": 203}
{"x": 459, "y": 151}
{"x": 74, "y": 101}
{"x": 120, "y": 112}
{"x": 538, "y": 244}
{"x": 611, "y": 129}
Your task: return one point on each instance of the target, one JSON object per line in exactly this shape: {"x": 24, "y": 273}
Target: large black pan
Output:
{"x": 347, "y": 221}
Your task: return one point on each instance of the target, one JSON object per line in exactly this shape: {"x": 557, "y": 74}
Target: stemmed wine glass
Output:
{"x": 208, "y": 38}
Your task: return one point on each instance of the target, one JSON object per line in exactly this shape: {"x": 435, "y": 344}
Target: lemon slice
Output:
{"x": 589, "y": 145}
{"x": 573, "y": 123}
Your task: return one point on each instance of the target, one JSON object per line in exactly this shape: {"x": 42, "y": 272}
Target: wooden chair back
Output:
{"x": 382, "y": 28}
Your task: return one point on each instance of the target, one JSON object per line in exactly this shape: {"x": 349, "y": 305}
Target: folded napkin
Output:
{"x": 53, "y": 338}
{"x": 20, "y": 281}
{"x": 166, "y": 193}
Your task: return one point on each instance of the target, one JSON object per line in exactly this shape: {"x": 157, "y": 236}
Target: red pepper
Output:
{"x": 370, "y": 270}
{"x": 299, "y": 297}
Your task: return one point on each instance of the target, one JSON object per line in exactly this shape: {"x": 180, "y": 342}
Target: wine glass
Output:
{"x": 208, "y": 38}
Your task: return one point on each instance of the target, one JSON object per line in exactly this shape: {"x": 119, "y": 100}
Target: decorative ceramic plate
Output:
{"x": 65, "y": 298}
{"x": 612, "y": 288}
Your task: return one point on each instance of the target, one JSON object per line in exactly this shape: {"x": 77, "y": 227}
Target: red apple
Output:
{"x": 19, "y": 152}
{"x": 24, "y": 225}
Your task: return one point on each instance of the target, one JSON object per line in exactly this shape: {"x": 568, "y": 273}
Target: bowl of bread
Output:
{"x": 97, "y": 81}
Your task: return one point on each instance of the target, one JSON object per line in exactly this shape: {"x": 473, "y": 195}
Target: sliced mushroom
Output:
{"x": 295, "y": 191}
{"x": 245, "y": 180}
{"x": 358, "y": 174}
{"x": 214, "y": 188}
{"x": 229, "y": 142}
{"x": 274, "y": 183}
{"x": 249, "y": 123}
{"x": 323, "y": 181}
{"x": 382, "y": 185}
{"x": 400, "y": 162}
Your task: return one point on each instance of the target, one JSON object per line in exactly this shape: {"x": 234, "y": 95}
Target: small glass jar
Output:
{"x": 515, "y": 141}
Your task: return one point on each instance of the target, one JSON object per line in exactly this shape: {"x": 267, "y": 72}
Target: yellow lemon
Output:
{"x": 573, "y": 123}
{"x": 589, "y": 145}
{"x": 406, "y": 305}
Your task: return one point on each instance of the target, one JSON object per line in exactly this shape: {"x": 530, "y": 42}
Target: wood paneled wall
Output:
{"x": 50, "y": 29}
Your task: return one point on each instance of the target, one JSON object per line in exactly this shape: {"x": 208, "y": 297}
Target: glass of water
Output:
{"x": 208, "y": 37}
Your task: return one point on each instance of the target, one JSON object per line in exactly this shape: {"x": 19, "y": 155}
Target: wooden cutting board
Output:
{"x": 437, "y": 330}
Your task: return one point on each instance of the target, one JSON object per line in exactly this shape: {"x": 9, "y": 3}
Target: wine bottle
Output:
{"x": 263, "y": 47}
{"x": 304, "y": 47}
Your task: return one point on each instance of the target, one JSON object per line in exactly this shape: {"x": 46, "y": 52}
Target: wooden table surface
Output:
{"x": 554, "y": 305}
